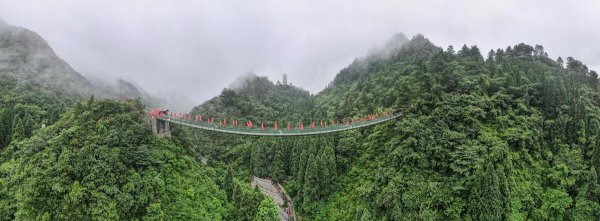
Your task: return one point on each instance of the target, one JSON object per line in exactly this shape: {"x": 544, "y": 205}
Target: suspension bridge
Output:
{"x": 162, "y": 120}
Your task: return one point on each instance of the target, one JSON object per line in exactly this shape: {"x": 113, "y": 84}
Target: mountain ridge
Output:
{"x": 28, "y": 57}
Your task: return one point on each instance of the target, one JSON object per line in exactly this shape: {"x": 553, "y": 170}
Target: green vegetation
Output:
{"x": 256, "y": 99}
{"x": 25, "y": 107}
{"x": 267, "y": 211}
{"x": 510, "y": 137}
{"x": 100, "y": 161}
{"x": 63, "y": 158}
{"x": 514, "y": 136}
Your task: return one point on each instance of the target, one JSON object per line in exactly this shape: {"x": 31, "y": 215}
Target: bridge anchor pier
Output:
{"x": 161, "y": 128}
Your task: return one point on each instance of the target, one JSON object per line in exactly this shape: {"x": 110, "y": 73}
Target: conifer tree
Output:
{"x": 486, "y": 198}
{"x": 18, "y": 130}
{"x": 267, "y": 211}
{"x": 327, "y": 170}
{"x": 592, "y": 186}
{"x": 311, "y": 188}
{"x": 229, "y": 182}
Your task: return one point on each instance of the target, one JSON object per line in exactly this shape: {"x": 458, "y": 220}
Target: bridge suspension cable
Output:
{"x": 275, "y": 131}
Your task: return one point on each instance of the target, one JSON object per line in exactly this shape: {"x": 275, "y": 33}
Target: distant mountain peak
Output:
{"x": 242, "y": 81}
{"x": 391, "y": 47}
{"x": 26, "y": 56}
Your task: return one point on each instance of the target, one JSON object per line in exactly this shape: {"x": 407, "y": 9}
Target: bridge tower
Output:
{"x": 161, "y": 128}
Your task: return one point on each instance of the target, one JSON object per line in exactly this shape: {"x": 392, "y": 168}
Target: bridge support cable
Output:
{"x": 161, "y": 127}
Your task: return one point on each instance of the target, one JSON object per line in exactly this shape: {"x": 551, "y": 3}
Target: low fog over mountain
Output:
{"x": 191, "y": 50}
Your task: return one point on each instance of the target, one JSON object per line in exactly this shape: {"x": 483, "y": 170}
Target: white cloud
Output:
{"x": 195, "y": 48}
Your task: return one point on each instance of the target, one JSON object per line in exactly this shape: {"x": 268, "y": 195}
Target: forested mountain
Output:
{"x": 257, "y": 98}
{"x": 513, "y": 136}
{"x": 67, "y": 157}
{"x": 100, "y": 161}
{"x": 26, "y": 56}
{"x": 510, "y": 137}
{"x": 36, "y": 85}
{"x": 25, "y": 107}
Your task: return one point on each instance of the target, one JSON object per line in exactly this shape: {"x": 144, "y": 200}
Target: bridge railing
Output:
{"x": 280, "y": 131}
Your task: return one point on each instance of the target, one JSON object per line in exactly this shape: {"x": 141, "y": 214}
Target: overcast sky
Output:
{"x": 194, "y": 49}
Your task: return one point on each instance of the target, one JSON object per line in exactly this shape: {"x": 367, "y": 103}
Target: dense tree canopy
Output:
{"x": 258, "y": 99}
{"x": 64, "y": 158}
{"x": 100, "y": 161}
{"x": 513, "y": 136}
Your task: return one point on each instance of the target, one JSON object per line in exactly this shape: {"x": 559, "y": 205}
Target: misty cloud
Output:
{"x": 190, "y": 50}
{"x": 242, "y": 80}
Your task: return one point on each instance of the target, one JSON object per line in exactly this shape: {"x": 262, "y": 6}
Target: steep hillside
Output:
{"x": 28, "y": 57}
{"x": 100, "y": 161}
{"x": 36, "y": 85}
{"x": 62, "y": 158}
{"x": 258, "y": 99}
{"x": 389, "y": 50}
{"x": 27, "y": 107}
{"x": 510, "y": 137}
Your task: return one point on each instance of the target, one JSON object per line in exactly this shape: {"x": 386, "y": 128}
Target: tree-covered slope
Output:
{"x": 96, "y": 160}
{"x": 27, "y": 56}
{"x": 510, "y": 137}
{"x": 258, "y": 99}
{"x": 36, "y": 85}
{"x": 100, "y": 161}
{"x": 26, "y": 107}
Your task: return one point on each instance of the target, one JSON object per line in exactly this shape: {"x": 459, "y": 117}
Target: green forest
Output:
{"x": 512, "y": 135}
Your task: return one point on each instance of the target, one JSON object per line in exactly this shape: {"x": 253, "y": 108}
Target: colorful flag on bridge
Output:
{"x": 275, "y": 125}
{"x": 289, "y": 126}
{"x": 262, "y": 125}
{"x": 249, "y": 124}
